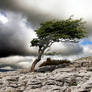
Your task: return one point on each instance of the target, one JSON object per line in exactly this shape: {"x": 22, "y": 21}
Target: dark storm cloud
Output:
{"x": 15, "y": 35}
{"x": 42, "y": 10}
{"x": 36, "y": 11}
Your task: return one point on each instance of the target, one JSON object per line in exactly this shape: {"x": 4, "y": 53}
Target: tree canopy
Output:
{"x": 56, "y": 31}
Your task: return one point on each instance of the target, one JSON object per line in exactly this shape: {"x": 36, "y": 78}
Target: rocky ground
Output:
{"x": 75, "y": 77}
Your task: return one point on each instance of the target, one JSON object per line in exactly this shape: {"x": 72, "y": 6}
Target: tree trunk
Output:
{"x": 40, "y": 53}
{"x": 36, "y": 61}
{"x": 34, "y": 64}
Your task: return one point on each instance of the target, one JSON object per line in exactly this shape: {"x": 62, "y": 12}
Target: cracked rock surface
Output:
{"x": 74, "y": 78}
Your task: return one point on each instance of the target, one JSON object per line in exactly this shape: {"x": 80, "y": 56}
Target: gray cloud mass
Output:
{"x": 38, "y": 11}
{"x": 17, "y": 32}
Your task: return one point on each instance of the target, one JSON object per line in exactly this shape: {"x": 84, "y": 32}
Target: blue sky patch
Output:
{"x": 86, "y": 42}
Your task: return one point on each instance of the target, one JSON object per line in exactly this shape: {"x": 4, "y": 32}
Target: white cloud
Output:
{"x": 3, "y": 19}
{"x": 87, "y": 50}
{"x": 38, "y": 10}
{"x": 15, "y": 36}
{"x": 46, "y": 9}
{"x": 18, "y": 34}
{"x": 66, "y": 49}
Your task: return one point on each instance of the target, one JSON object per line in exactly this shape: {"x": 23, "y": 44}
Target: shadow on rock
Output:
{"x": 50, "y": 65}
{"x": 6, "y": 70}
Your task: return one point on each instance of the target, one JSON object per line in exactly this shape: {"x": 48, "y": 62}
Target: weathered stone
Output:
{"x": 74, "y": 78}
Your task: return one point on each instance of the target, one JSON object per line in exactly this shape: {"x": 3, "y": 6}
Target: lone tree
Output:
{"x": 57, "y": 31}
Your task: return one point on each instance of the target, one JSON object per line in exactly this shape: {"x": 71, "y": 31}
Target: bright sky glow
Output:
{"x": 3, "y": 19}
{"x": 78, "y": 8}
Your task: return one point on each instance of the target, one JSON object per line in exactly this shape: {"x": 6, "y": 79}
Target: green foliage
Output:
{"x": 35, "y": 42}
{"x": 53, "y": 31}
{"x": 62, "y": 29}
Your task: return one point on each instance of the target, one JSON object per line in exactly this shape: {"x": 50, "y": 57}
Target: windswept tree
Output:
{"x": 57, "y": 31}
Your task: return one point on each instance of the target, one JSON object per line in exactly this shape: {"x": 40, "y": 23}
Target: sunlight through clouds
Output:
{"x": 37, "y": 11}
{"x": 23, "y": 16}
{"x": 3, "y": 19}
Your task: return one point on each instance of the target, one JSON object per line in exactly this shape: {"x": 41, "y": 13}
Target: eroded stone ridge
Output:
{"x": 76, "y": 77}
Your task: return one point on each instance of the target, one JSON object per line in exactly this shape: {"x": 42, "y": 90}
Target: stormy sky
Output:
{"x": 19, "y": 18}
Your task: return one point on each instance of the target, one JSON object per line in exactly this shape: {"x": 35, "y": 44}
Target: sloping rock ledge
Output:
{"x": 76, "y": 77}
